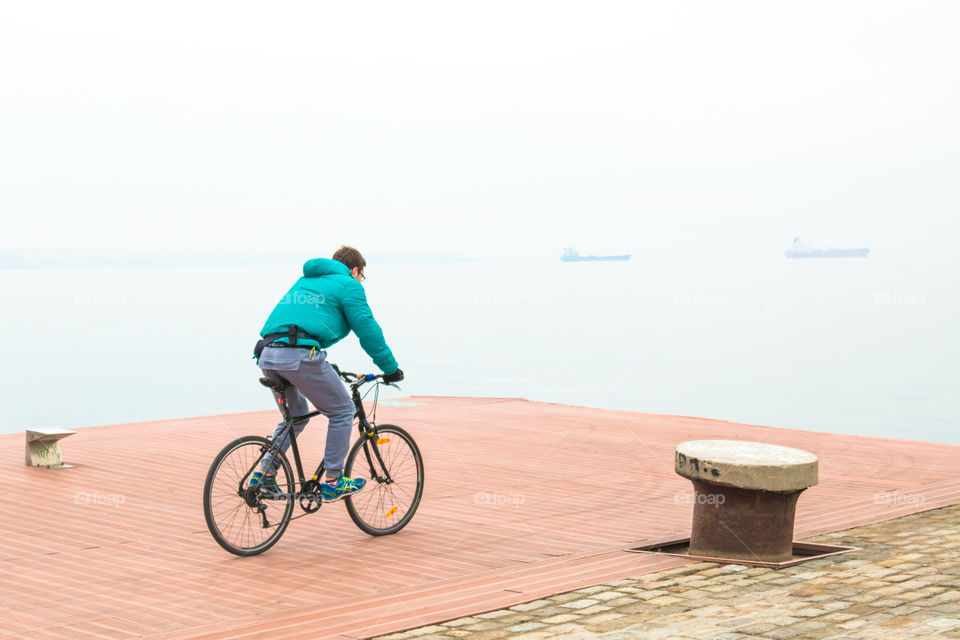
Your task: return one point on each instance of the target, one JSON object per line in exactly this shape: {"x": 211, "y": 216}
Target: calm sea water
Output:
{"x": 865, "y": 346}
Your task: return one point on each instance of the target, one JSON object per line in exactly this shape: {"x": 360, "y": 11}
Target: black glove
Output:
{"x": 396, "y": 376}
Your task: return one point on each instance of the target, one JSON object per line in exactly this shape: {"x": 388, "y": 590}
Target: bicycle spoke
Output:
{"x": 236, "y": 525}
{"x": 386, "y": 507}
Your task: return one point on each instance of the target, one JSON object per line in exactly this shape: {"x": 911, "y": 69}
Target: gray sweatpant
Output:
{"x": 311, "y": 376}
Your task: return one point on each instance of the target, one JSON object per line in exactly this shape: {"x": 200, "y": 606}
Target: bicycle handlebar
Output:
{"x": 355, "y": 378}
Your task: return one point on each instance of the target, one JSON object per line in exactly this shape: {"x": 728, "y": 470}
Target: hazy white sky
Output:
{"x": 477, "y": 127}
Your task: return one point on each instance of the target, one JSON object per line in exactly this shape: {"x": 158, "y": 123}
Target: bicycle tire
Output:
{"x": 380, "y": 502}
{"x": 222, "y": 487}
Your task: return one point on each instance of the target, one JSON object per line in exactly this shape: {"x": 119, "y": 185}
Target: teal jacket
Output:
{"x": 327, "y": 302}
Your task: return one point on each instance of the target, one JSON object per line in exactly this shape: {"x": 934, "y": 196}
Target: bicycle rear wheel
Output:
{"x": 240, "y": 518}
{"x": 385, "y": 505}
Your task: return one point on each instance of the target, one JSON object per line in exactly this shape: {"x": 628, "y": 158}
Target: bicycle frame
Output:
{"x": 366, "y": 429}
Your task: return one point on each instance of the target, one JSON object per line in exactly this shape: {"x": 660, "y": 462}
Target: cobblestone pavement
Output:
{"x": 905, "y": 583}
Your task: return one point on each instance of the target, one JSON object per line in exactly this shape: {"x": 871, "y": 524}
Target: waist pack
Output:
{"x": 293, "y": 332}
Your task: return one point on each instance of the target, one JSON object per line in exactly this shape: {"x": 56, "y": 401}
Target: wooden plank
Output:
{"x": 118, "y": 545}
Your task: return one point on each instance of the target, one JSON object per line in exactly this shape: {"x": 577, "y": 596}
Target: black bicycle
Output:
{"x": 245, "y": 520}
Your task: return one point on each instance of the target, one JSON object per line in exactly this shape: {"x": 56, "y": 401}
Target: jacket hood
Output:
{"x": 324, "y": 267}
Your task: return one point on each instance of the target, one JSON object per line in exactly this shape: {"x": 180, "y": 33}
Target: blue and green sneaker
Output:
{"x": 269, "y": 488}
{"x": 268, "y": 485}
{"x": 344, "y": 487}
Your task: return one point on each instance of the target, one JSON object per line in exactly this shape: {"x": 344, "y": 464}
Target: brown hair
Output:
{"x": 350, "y": 257}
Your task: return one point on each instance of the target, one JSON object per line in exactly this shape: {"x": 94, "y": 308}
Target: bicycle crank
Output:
{"x": 310, "y": 499}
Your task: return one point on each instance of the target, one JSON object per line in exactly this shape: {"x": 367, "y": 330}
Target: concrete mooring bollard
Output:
{"x": 43, "y": 448}
{"x": 745, "y": 496}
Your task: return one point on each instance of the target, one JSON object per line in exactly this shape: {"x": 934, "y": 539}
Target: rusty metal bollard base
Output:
{"x": 742, "y": 523}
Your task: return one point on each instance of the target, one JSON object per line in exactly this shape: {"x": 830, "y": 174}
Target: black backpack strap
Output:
{"x": 294, "y": 332}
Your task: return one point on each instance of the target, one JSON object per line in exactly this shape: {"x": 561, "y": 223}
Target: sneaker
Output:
{"x": 344, "y": 487}
{"x": 268, "y": 485}
{"x": 269, "y": 488}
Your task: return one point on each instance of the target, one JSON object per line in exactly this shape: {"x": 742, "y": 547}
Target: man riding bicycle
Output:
{"x": 319, "y": 310}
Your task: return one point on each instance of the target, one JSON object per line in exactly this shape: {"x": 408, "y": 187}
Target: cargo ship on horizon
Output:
{"x": 805, "y": 250}
{"x": 572, "y": 255}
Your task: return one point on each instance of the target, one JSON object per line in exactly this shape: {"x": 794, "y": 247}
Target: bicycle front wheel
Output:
{"x": 393, "y": 468}
{"x": 242, "y": 519}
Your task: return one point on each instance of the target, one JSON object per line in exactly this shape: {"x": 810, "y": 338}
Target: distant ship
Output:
{"x": 571, "y": 255}
{"x": 804, "y": 250}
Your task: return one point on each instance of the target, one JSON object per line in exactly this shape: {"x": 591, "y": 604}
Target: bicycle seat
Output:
{"x": 277, "y": 385}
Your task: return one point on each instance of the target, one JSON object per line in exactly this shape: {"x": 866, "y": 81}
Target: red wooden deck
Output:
{"x": 117, "y": 547}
